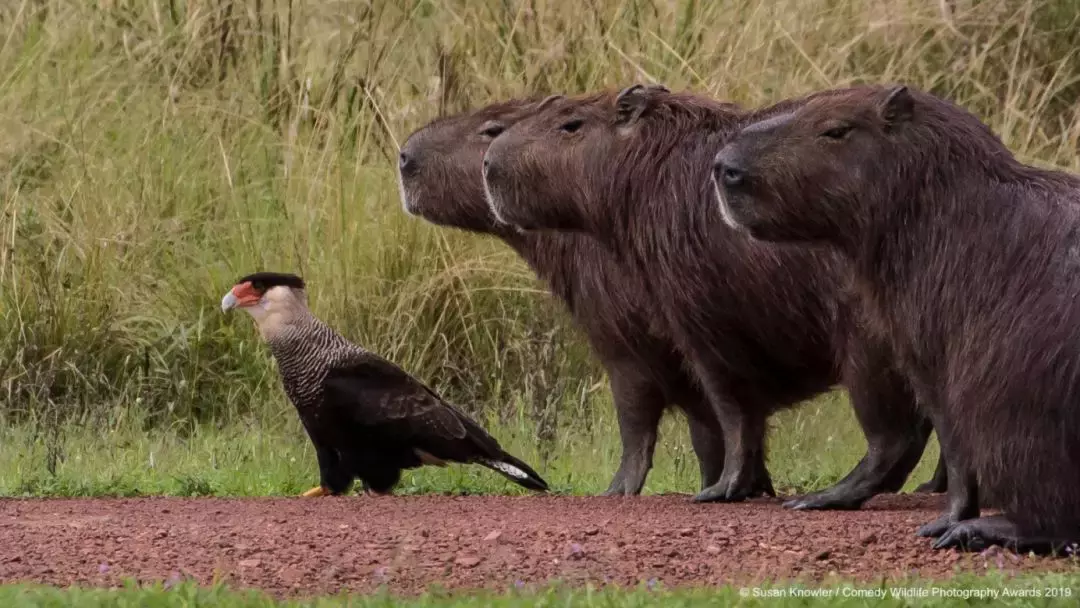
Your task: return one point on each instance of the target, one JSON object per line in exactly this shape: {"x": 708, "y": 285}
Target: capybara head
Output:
{"x": 439, "y": 167}
{"x": 561, "y": 166}
{"x": 821, "y": 171}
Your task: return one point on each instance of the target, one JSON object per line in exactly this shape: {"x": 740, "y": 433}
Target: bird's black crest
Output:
{"x": 262, "y": 281}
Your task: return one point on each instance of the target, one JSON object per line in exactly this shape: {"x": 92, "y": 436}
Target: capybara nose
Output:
{"x": 407, "y": 165}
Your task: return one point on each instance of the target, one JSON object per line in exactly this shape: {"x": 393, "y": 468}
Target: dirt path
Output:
{"x": 322, "y": 545}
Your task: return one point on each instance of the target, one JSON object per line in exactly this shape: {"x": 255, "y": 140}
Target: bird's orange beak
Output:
{"x": 241, "y": 295}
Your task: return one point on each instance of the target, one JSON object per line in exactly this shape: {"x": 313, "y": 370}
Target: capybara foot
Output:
{"x": 618, "y": 489}
{"x": 982, "y": 532}
{"x": 937, "y": 527}
{"x": 717, "y": 492}
{"x": 735, "y": 490}
{"x": 621, "y": 486}
{"x": 840, "y": 499}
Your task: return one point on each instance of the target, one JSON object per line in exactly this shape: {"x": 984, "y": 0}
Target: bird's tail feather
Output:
{"x": 516, "y": 471}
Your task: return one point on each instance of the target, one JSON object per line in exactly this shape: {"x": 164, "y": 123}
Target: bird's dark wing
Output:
{"x": 373, "y": 392}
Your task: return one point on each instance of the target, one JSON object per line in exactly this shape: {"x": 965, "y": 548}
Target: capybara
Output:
{"x": 968, "y": 263}
{"x": 439, "y": 167}
{"x": 762, "y": 327}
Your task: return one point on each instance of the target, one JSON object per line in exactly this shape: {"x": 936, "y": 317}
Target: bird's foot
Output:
{"x": 316, "y": 491}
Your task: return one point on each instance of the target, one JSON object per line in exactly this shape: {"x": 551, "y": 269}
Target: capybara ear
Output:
{"x": 548, "y": 101}
{"x": 632, "y": 101}
{"x": 898, "y": 106}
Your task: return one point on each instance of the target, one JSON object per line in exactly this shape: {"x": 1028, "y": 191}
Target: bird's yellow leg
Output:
{"x": 316, "y": 491}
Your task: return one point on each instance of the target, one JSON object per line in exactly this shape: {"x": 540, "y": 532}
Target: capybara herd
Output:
{"x": 734, "y": 262}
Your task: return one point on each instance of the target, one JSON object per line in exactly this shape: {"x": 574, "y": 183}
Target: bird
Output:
{"x": 366, "y": 417}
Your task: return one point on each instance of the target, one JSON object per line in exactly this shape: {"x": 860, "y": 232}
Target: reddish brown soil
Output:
{"x": 322, "y": 545}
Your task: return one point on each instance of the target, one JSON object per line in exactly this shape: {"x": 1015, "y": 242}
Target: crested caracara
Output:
{"x": 366, "y": 417}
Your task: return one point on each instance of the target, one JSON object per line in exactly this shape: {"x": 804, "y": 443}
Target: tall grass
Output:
{"x": 154, "y": 150}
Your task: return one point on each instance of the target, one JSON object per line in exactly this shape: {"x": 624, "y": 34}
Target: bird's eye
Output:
{"x": 572, "y": 126}
{"x": 838, "y": 132}
{"x": 492, "y": 130}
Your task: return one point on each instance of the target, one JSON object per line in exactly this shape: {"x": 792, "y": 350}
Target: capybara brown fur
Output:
{"x": 763, "y": 327}
{"x": 967, "y": 261}
{"x": 439, "y": 167}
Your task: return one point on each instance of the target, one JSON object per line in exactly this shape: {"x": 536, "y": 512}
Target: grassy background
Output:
{"x": 155, "y": 150}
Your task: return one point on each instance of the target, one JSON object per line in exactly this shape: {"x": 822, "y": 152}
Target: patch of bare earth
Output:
{"x": 323, "y": 545}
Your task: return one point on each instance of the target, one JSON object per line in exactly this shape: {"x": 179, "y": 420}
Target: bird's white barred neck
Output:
{"x": 305, "y": 349}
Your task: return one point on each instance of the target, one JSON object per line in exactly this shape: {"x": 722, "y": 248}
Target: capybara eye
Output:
{"x": 492, "y": 130}
{"x": 837, "y": 132}
{"x": 572, "y": 125}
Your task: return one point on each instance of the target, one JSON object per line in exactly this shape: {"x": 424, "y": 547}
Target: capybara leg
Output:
{"x": 982, "y": 532}
{"x": 762, "y": 483}
{"x": 896, "y": 433}
{"x": 708, "y": 440}
{"x": 639, "y": 404}
{"x": 709, "y": 448}
{"x": 862, "y": 483}
{"x": 939, "y": 482}
{"x": 745, "y": 475}
{"x": 963, "y": 496}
